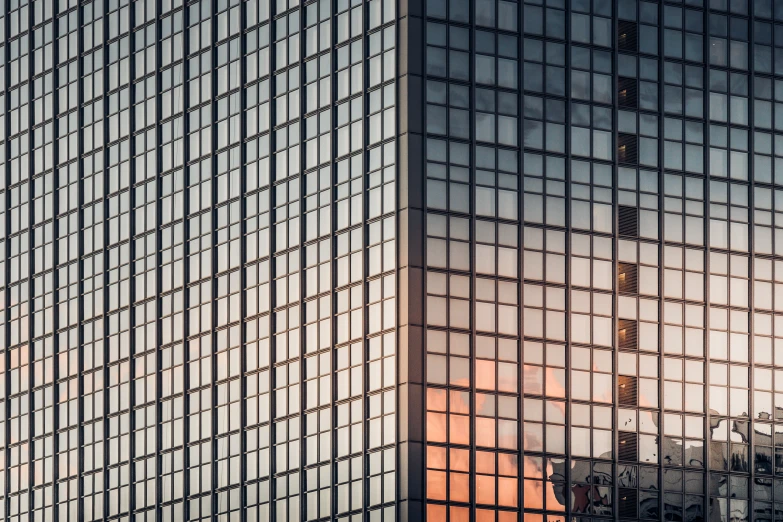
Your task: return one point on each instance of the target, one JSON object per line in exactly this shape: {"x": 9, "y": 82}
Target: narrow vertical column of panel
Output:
{"x": 450, "y": 263}
{"x": 115, "y": 316}
{"x": 127, "y": 360}
{"x": 143, "y": 396}
{"x": 364, "y": 239}
{"x": 194, "y": 462}
{"x": 349, "y": 314}
{"x": 229, "y": 250}
{"x": 590, "y": 188}
{"x": 66, "y": 239}
{"x": 758, "y": 408}
{"x": 285, "y": 262}
{"x": 308, "y": 396}
{"x": 116, "y": 229}
{"x": 27, "y": 174}
{"x": 20, "y": 284}
{"x": 765, "y": 269}
{"x": 160, "y": 155}
{"x": 322, "y": 384}
{"x": 21, "y": 214}
{"x": 227, "y": 245}
{"x": 49, "y": 411}
{"x": 147, "y": 379}
{"x": 684, "y": 359}
{"x": 95, "y": 439}
{"x": 545, "y": 255}
{"x": 495, "y": 299}
{"x": 665, "y": 446}
{"x": 202, "y": 171}
{"x": 259, "y": 458}
{"x": 473, "y": 260}
{"x": 730, "y": 484}
{"x": 380, "y": 242}
{"x": 635, "y": 275}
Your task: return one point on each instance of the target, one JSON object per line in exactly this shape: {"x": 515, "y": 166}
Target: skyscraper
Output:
{"x": 443, "y": 260}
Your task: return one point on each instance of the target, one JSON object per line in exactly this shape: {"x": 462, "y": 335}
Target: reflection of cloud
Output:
{"x": 436, "y": 427}
{"x": 63, "y": 395}
{"x": 483, "y": 400}
{"x": 534, "y": 112}
{"x": 508, "y": 465}
{"x": 555, "y": 382}
{"x": 436, "y": 485}
{"x": 605, "y": 394}
{"x": 533, "y": 437}
{"x": 533, "y": 494}
{"x": 436, "y": 457}
{"x": 459, "y": 429}
{"x": 485, "y": 432}
{"x": 459, "y": 459}
{"x": 459, "y": 402}
{"x": 507, "y": 434}
{"x": 532, "y": 379}
{"x": 436, "y": 399}
{"x": 507, "y": 378}
{"x": 532, "y": 467}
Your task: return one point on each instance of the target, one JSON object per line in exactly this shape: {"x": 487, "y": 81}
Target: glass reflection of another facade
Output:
{"x": 601, "y": 261}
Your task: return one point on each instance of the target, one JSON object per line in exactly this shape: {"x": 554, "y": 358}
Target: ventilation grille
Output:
{"x": 627, "y": 278}
{"x": 627, "y": 93}
{"x": 628, "y": 221}
{"x": 627, "y": 36}
{"x": 628, "y": 503}
{"x": 626, "y": 447}
{"x": 627, "y": 334}
{"x": 627, "y": 390}
{"x": 627, "y": 149}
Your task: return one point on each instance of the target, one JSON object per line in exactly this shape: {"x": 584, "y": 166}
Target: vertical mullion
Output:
{"x": 615, "y": 260}
{"x": 213, "y": 442}
{"x": 706, "y": 498}
{"x": 332, "y": 238}
{"x": 182, "y": 343}
{"x": 472, "y": 244}
{"x": 5, "y": 355}
{"x": 79, "y": 262}
{"x": 103, "y": 313}
{"x": 273, "y": 503}
{"x": 242, "y": 169}
{"x": 270, "y": 406}
{"x": 521, "y": 262}
{"x": 751, "y": 265}
{"x": 300, "y": 268}
{"x": 568, "y": 255}
{"x": 56, "y": 257}
{"x": 660, "y": 244}
{"x": 31, "y": 234}
{"x": 157, "y": 233}
{"x": 131, "y": 309}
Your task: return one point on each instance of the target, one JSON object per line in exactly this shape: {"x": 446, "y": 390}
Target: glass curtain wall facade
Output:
{"x": 446, "y": 260}
{"x": 199, "y": 274}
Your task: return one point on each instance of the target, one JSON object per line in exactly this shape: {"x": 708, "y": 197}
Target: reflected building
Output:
{"x": 379, "y": 260}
